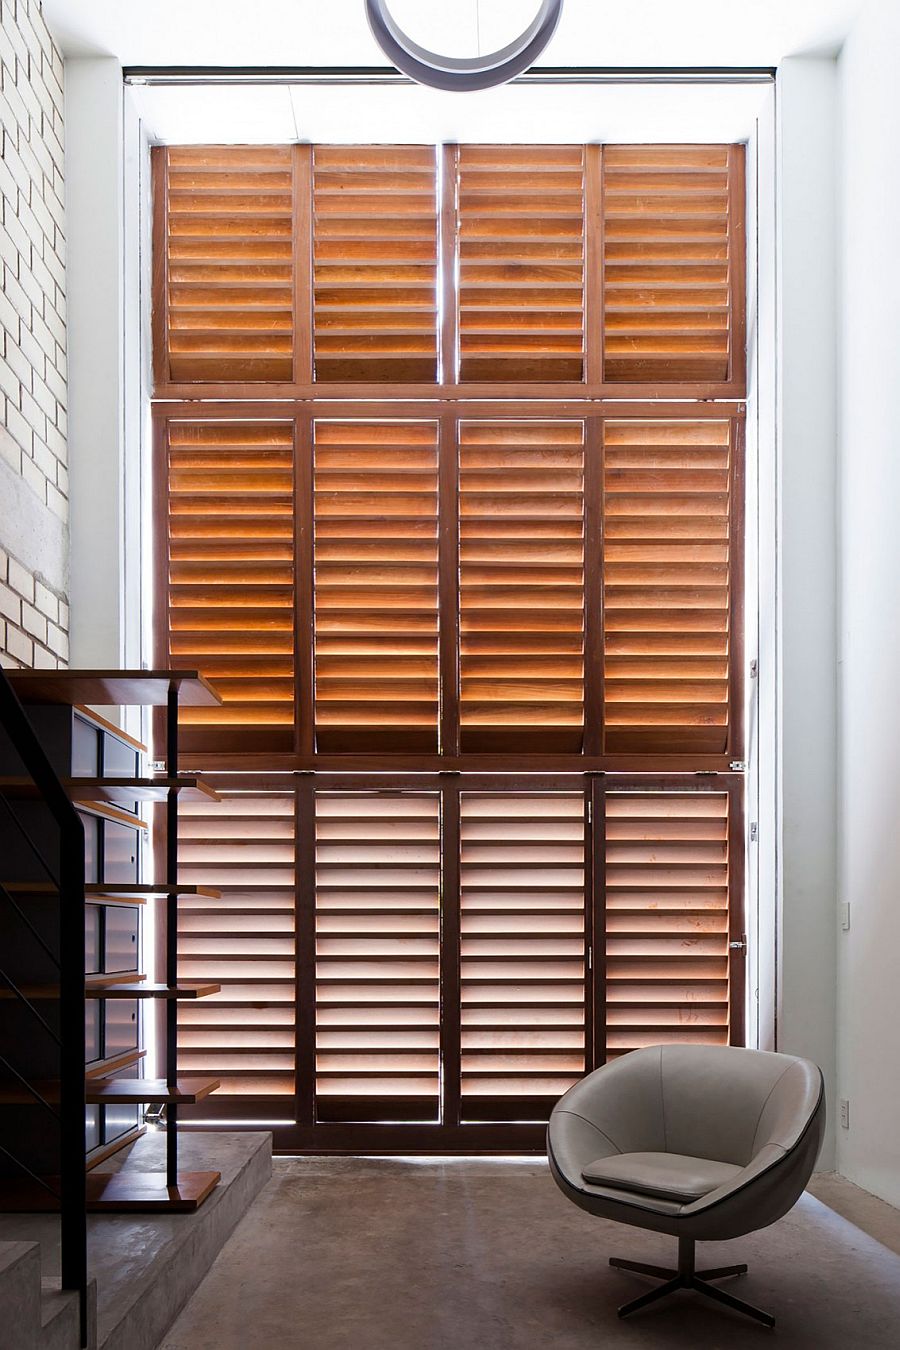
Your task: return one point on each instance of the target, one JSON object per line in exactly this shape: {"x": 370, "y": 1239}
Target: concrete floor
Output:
{"x": 397, "y": 1254}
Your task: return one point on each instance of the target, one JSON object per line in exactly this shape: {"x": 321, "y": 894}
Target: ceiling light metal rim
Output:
{"x": 462, "y": 73}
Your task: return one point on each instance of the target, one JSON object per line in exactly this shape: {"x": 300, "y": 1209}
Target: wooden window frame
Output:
{"x": 301, "y": 755}
{"x": 592, "y": 386}
{"x": 300, "y": 770}
{"x": 451, "y": 1134}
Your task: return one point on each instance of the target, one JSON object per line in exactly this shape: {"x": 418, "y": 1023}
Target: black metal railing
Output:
{"x": 64, "y": 876}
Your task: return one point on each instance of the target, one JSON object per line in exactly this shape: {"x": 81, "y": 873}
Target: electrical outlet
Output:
{"x": 845, "y": 1114}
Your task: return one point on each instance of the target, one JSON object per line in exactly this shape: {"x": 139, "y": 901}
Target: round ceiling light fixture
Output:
{"x": 468, "y": 72}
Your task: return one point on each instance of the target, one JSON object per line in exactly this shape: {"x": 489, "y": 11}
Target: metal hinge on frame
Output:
{"x": 754, "y": 669}
{"x": 754, "y": 832}
{"x": 739, "y": 946}
{"x": 738, "y": 766}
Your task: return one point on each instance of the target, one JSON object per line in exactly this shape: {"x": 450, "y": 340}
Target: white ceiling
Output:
{"x": 312, "y": 33}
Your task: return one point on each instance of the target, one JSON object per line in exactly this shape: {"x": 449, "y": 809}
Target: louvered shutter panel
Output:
{"x": 231, "y": 578}
{"x": 228, "y": 251}
{"x": 667, "y": 918}
{"x": 522, "y": 951}
{"x": 521, "y": 262}
{"x": 376, "y": 585}
{"x": 243, "y": 845}
{"x": 377, "y": 956}
{"x": 673, "y": 262}
{"x": 667, "y": 506}
{"x": 375, "y": 258}
{"x": 521, "y": 509}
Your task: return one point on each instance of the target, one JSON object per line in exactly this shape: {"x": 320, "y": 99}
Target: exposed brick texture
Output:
{"x": 33, "y": 611}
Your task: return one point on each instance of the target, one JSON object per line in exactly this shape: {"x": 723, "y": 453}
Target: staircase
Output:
{"x": 35, "y": 1313}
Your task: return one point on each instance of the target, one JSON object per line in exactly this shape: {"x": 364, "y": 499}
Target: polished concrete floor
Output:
{"x": 391, "y": 1254}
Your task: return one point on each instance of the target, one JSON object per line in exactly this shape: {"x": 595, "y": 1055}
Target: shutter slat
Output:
{"x": 245, "y": 942}
{"x": 522, "y": 946}
{"x": 376, "y": 585}
{"x": 229, "y": 303}
{"x": 667, "y": 922}
{"x": 666, "y": 610}
{"x": 521, "y": 262}
{"x": 375, "y": 263}
{"x": 521, "y": 506}
{"x": 377, "y": 969}
{"x": 231, "y": 577}
{"x": 671, "y": 264}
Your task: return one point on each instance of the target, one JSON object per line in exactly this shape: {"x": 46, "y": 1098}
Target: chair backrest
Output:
{"x": 726, "y": 1103}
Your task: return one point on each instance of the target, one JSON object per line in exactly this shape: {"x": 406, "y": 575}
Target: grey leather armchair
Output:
{"x": 699, "y": 1141}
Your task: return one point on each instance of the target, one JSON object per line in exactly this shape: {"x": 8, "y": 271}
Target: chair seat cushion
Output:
{"x": 665, "y": 1176}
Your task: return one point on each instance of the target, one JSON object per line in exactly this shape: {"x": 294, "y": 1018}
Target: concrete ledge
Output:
{"x": 144, "y": 1267}
{"x": 147, "y": 1266}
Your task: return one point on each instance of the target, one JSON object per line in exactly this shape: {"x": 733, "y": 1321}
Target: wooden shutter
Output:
{"x": 673, "y": 263}
{"x": 244, "y": 846}
{"x": 225, "y": 223}
{"x": 521, "y": 262}
{"x": 376, "y": 585}
{"x": 667, "y": 918}
{"x": 521, "y": 509}
{"x": 522, "y": 951}
{"x": 667, "y": 524}
{"x": 375, "y": 259}
{"x": 231, "y": 577}
{"x": 377, "y": 945}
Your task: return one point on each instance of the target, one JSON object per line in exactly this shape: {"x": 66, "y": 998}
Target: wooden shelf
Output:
{"x": 113, "y": 688}
{"x": 128, "y": 1191}
{"x": 181, "y": 991}
{"x": 123, "y": 1190}
{"x": 127, "y": 890}
{"x": 116, "y": 791}
{"x": 102, "y": 1068}
{"x": 95, "y": 986}
{"x": 190, "y": 1088}
{"x": 103, "y": 1152}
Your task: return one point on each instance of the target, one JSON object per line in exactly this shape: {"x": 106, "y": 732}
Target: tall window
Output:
{"x": 449, "y": 455}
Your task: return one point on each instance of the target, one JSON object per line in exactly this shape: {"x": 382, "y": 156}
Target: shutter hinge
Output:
{"x": 739, "y": 946}
{"x": 590, "y": 958}
{"x": 754, "y": 831}
{"x": 754, "y": 669}
{"x": 738, "y": 766}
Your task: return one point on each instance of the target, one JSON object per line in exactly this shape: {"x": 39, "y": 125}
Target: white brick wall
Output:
{"x": 33, "y": 602}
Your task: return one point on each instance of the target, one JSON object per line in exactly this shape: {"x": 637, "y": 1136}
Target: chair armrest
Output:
{"x": 767, "y": 1157}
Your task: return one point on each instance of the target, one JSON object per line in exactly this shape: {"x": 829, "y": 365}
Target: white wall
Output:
{"x": 869, "y": 601}
{"x": 96, "y": 337}
{"x": 807, "y": 565}
{"x": 34, "y": 507}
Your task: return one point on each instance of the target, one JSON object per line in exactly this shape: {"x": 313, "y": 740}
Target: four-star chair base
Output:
{"x": 687, "y": 1277}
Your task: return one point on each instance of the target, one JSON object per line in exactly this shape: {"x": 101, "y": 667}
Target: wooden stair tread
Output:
{"x": 128, "y": 1191}
{"x": 190, "y": 1088}
{"x": 117, "y": 791}
{"x": 183, "y": 990}
{"x": 127, "y": 889}
{"x": 118, "y": 688}
{"x": 102, "y": 1068}
{"x": 95, "y": 986}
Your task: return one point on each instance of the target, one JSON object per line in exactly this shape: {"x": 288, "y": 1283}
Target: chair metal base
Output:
{"x": 687, "y": 1277}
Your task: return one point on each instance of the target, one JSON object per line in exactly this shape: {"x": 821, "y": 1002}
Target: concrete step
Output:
{"x": 20, "y": 1295}
{"x": 143, "y": 1267}
{"x": 60, "y": 1328}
